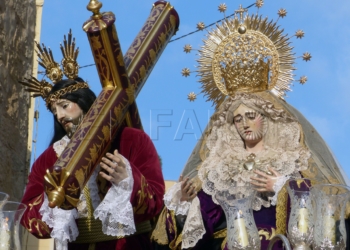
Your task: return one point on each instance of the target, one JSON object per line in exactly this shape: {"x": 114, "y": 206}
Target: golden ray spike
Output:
{"x": 70, "y": 54}
{"x": 52, "y": 68}
{"x": 36, "y": 87}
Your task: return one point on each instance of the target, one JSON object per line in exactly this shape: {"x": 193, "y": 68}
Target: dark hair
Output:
{"x": 84, "y": 97}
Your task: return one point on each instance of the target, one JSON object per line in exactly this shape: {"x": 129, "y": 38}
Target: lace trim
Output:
{"x": 172, "y": 200}
{"x": 60, "y": 145}
{"x": 277, "y": 186}
{"x": 224, "y": 168}
{"x": 62, "y": 222}
{"x": 194, "y": 228}
{"x": 115, "y": 211}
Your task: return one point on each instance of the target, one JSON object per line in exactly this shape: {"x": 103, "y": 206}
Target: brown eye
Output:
{"x": 237, "y": 119}
{"x": 250, "y": 115}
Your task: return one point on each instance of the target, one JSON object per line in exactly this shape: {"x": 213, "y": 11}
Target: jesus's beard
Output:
{"x": 75, "y": 124}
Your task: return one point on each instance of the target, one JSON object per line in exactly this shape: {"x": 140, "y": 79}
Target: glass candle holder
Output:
{"x": 330, "y": 203}
{"x": 10, "y": 217}
{"x": 3, "y": 198}
{"x": 242, "y": 232}
{"x": 301, "y": 221}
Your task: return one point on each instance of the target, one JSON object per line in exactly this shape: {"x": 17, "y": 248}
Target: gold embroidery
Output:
{"x": 36, "y": 202}
{"x": 73, "y": 189}
{"x": 159, "y": 233}
{"x": 39, "y": 225}
{"x": 267, "y": 234}
{"x": 178, "y": 243}
{"x": 281, "y": 211}
{"x": 220, "y": 234}
{"x": 177, "y": 238}
{"x": 142, "y": 194}
{"x": 223, "y": 244}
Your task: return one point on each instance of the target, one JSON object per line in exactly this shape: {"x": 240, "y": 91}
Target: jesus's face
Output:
{"x": 249, "y": 123}
{"x": 68, "y": 114}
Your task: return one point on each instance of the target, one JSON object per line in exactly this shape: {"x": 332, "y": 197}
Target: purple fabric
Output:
{"x": 170, "y": 224}
{"x": 214, "y": 220}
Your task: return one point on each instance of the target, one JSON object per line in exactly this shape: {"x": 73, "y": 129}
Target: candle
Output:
{"x": 242, "y": 230}
{"x": 4, "y": 235}
{"x": 303, "y": 214}
{"x": 329, "y": 227}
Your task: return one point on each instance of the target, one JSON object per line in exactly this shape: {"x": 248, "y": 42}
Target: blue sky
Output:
{"x": 174, "y": 123}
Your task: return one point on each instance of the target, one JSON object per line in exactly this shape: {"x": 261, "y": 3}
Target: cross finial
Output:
{"x": 241, "y": 11}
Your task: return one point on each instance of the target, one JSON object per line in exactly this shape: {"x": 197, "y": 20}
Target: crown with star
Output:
{"x": 246, "y": 53}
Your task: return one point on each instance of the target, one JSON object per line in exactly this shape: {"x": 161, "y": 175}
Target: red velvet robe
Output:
{"x": 146, "y": 198}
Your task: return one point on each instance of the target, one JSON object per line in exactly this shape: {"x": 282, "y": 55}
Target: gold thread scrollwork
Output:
{"x": 142, "y": 194}
{"x": 265, "y": 233}
{"x": 40, "y": 226}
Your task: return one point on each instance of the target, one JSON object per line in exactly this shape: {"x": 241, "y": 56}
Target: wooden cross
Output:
{"x": 115, "y": 107}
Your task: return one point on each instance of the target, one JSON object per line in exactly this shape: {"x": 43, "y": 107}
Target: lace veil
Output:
{"x": 321, "y": 165}
{"x": 283, "y": 150}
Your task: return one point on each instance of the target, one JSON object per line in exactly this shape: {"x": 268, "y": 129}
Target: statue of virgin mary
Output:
{"x": 254, "y": 138}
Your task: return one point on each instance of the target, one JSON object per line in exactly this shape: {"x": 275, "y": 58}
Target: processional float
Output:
{"x": 115, "y": 107}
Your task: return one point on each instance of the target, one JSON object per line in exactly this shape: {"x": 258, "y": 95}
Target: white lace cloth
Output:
{"x": 172, "y": 200}
{"x": 277, "y": 186}
{"x": 115, "y": 211}
{"x": 193, "y": 229}
{"x": 63, "y": 224}
{"x": 224, "y": 168}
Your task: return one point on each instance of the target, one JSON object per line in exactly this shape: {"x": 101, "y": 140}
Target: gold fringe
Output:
{"x": 178, "y": 238}
{"x": 281, "y": 211}
{"x": 159, "y": 234}
{"x": 223, "y": 244}
{"x": 220, "y": 234}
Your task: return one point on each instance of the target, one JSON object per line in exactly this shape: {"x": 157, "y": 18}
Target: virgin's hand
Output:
{"x": 264, "y": 182}
{"x": 115, "y": 166}
{"x": 187, "y": 189}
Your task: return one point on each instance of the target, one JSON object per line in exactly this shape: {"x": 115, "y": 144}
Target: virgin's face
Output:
{"x": 68, "y": 114}
{"x": 249, "y": 123}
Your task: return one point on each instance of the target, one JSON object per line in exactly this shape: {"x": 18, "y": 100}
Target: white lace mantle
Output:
{"x": 223, "y": 169}
{"x": 172, "y": 200}
{"x": 193, "y": 229}
{"x": 62, "y": 222}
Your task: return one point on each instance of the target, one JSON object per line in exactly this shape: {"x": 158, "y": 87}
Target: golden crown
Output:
{"x": 245, "y": 54}
{"x": 53, "y": 71}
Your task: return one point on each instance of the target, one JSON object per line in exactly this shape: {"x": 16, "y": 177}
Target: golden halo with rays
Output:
{"x": 248, "y": 55}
